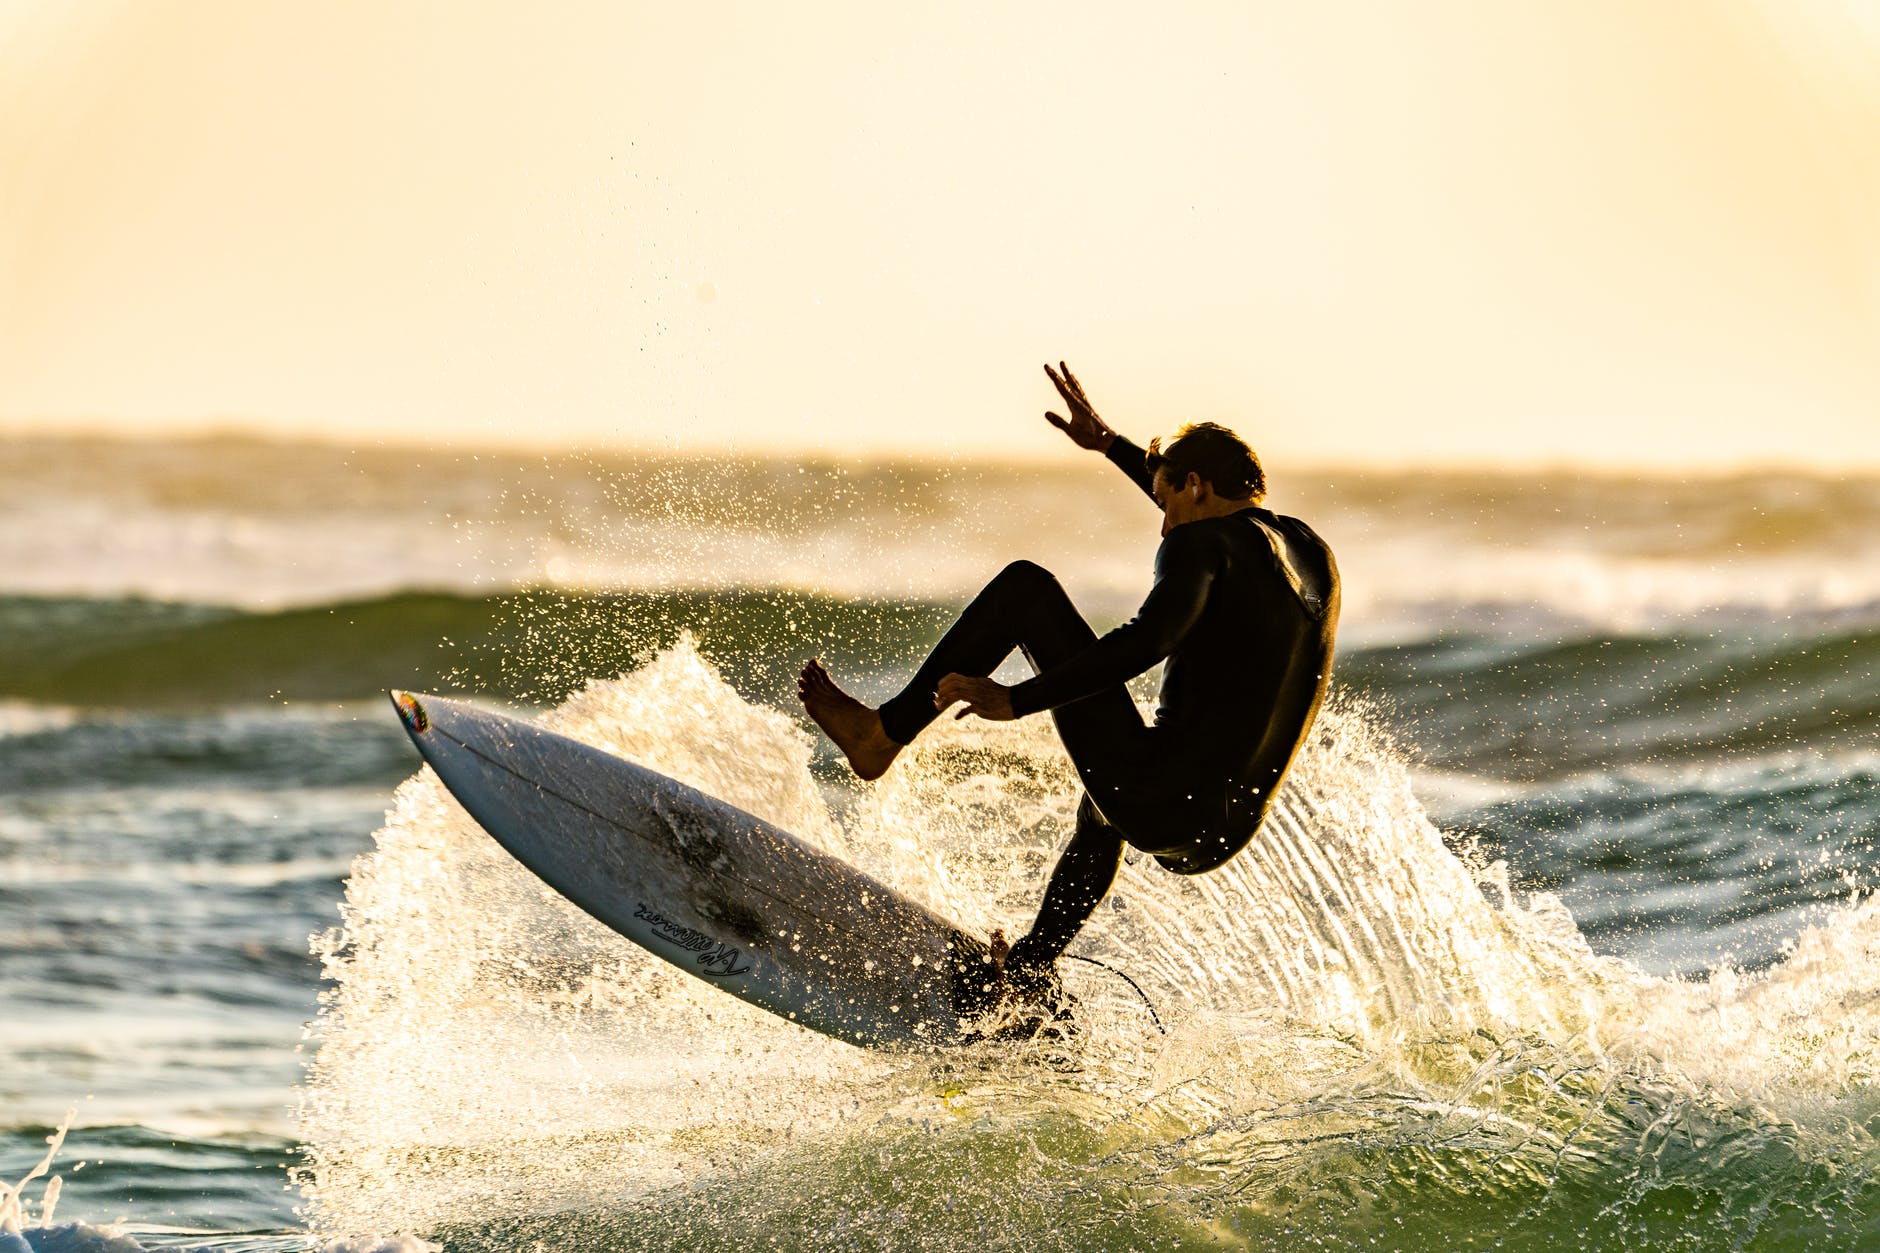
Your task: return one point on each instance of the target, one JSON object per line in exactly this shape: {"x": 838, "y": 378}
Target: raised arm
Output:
{"x": 1087, "y": 430}
{"x": 1131, "y": 460}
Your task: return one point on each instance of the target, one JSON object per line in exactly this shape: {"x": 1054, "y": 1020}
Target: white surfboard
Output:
{"x": 718, "y": 892}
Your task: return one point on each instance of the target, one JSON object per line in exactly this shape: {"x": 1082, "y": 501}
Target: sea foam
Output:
{"x": 1351, "y": 1004}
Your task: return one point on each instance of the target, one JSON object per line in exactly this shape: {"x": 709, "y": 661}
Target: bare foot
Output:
{"x": 855, "y": 728}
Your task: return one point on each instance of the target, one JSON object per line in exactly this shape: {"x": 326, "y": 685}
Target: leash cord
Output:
{"x": 1146, "y": 1004}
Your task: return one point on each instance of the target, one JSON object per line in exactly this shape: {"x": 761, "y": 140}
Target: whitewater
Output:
{"x": 1353, "y": 1012}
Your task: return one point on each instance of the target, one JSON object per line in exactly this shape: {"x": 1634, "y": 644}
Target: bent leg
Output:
{"x": 1023, "y": 607}
{"x": 1026, "y": 608}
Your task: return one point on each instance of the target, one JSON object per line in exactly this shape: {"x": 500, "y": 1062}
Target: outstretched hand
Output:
{"x": 1084, "y": 427}
{"x": 987, "y": 698}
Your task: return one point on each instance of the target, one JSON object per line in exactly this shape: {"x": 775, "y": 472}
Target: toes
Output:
{"x": 815, "y": 684}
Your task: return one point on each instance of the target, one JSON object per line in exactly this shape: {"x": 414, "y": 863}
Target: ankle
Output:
{"x": 1030, "y": 959}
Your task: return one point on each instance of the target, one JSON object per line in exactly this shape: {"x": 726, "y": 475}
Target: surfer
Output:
{"x": 1243, "y": 610}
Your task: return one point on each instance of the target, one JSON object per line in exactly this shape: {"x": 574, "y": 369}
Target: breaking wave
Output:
{"x": 1372, "y": 1037}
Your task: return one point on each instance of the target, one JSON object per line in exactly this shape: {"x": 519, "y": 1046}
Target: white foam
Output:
{"x": 83, "y": 1238}
{"x": 20, "y": 718}
{"x": 210, "y": 524}
{"x": 1447, "y": 793}
{"x": 490, "y": 1051}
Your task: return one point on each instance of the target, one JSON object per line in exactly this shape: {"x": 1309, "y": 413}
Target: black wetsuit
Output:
{"x": 1243, "y": 609}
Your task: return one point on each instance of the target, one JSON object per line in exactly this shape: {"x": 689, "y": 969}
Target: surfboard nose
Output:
{"x": 410, "y": 711}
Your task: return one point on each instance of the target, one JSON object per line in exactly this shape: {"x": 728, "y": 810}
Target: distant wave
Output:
{"x": 1519, "y": 707}
{"x": 263, "y": 526}
{"x": 1545, "y": 709}
{"x": 530, "y": 646}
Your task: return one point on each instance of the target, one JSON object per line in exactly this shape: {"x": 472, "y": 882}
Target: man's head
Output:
{"x": 1204, "y": 472}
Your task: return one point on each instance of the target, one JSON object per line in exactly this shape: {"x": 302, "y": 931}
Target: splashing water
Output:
{"x": 14, "y": 1212}
{"x": 1370, "y": 1037}
{"x": 17, "y": 1236}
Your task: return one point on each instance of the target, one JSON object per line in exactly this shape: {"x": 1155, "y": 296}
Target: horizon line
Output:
{"x": 235, "y": 432}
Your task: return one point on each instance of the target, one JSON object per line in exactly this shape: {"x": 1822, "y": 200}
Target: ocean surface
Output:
{"x": 1563, "y": 935}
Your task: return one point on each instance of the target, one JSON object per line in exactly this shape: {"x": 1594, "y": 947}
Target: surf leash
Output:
{"x": 1146, "y": 1004}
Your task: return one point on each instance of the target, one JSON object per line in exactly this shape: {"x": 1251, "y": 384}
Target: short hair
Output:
{"x": 1220, "y": 457}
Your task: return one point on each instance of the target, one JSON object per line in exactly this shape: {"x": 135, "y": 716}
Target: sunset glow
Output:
{"x": 1606, "y": 233}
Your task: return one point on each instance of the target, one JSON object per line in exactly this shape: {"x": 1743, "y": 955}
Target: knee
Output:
{"x": 1088, "y": 815}
{"x": 1093, "y": 829}
{"x": 1027, "y": 574}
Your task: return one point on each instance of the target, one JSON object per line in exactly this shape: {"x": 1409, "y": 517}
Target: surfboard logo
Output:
{"x": 715, "y": 957}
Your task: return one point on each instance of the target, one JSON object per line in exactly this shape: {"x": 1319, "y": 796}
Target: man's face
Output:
{"x": 1180, "y": 502}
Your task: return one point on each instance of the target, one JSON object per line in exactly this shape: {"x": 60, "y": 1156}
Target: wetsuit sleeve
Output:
{"x": 1185, "y": 569}
{"x": 1130, "y": 459}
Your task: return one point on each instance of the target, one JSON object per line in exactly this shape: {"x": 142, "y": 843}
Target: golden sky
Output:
{"x": 1618, "y": 232}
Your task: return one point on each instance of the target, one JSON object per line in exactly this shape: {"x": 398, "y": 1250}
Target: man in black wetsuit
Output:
{"x": 1243, "y": 610}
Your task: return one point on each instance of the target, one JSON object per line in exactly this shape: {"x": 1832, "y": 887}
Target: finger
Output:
{"x": 1061, "y": 424}
{"x": 962, "y": 713}
{"x": 1070, "y": 381}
